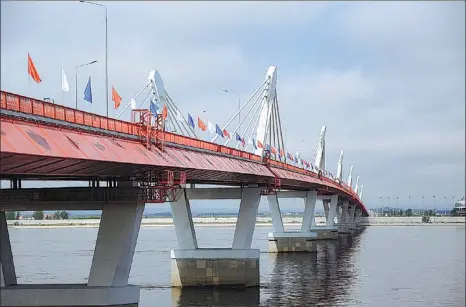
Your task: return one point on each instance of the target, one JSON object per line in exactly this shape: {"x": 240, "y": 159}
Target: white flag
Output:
{"x": 64, "y": 82}
{"x": 179, "y": 117}
{"x": 133, "y": 104}
{"x": 211, "y": 127}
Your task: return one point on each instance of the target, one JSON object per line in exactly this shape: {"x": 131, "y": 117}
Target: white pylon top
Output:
{"x": 320, "y": 154}
{"x": 340, "y": 167}
{"x": 350, "y": 176}
{"x": 357, "y": 185}
{"x": 268, "y": 99}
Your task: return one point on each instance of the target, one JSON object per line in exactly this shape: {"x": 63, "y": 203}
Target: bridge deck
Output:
{"x": 44, "y": 140}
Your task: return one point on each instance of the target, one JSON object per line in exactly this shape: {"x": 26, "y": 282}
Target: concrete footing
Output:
{"x": 286, "y": 242}
{"x": 344, "y": 229}
{"x": 326, "y": 232}
{"x": 68, "y": 295}
{"x": 215, "y": 267}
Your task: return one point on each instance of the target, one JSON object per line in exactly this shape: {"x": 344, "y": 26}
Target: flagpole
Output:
{"x": 62, "y": 91}
{"x": 106, "y": 48}
{"x": 29, "y": 83}
{"x": 76, "y": 78}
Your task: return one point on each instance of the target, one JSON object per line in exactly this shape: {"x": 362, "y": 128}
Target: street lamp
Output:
{"x": 422, "y": 205}
{"x": 106, "y": 49}
{"x": 445, "y": 204}
{"x": 76, "y": 79}
{"x": 239, "y": 107}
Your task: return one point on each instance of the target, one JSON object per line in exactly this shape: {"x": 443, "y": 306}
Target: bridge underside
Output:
{"x": 34, "y": 151}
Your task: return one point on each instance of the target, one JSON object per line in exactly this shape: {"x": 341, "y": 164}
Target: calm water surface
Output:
{"x": 405, "y": 266}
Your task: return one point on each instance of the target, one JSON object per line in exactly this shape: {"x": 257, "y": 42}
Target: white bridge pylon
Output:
{"x": 262, "y": 119}
{"x": 159, "y": 98}
{"x": 260, "y": 124}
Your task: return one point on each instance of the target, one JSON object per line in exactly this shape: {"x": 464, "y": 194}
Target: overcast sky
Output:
{"x": 387, "y": 78}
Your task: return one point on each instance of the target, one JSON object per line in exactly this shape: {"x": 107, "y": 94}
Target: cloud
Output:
{"x": 387, "y": 78}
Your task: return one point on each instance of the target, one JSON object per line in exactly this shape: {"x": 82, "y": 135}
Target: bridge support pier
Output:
{"x": 329, "y": 231}
{"x": 236, "y": 266}
{"x": 111, "y": 264}
{"x": 281, "y": 241}
{"x": 351, "y": 221}
{"x": 343, "y": 227}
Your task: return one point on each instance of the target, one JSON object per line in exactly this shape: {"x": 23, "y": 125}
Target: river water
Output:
{"x": 384, "y": 266}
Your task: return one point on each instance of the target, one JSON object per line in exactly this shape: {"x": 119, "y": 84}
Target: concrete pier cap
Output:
{"x": 326, "y": 232}
{"x": 215, "y": 267}
{"x": 286, "y": 242}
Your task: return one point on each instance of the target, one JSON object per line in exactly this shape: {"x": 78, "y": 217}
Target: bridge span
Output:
{"x": 130, "y": 163}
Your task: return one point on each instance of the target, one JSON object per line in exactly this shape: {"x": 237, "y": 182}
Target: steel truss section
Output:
{"x": 147, "y": 132}
{"x": 273, "y": 185}
{"x": 161, "y": 186}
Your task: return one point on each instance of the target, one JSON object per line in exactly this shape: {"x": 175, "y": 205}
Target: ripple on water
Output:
{"x": 382, "y": 266}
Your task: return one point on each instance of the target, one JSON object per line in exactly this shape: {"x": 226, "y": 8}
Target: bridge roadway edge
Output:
{"x": 32, "y": 118}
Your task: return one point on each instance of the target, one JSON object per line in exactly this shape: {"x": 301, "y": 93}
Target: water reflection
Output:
{"x": 323, "y": 278}
{"x": 247, "y": 297}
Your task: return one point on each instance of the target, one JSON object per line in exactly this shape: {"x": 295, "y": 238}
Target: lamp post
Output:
{"x": 422, "y": 205}
{"x": 239, "y": 107}
{"x": 381, "y": 205}
{"x": 445, "y": 204}
{"x": 106, "y": 49}
{"x": 76, "y": 80}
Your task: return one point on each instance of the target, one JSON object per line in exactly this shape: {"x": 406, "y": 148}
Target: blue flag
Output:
{"x": 190, "y": 121}
{"x": 154, "y": 108}
{"x": 238, "y": 138}
{"x": 218, "y": 130}
{"x": 88, "y": 91}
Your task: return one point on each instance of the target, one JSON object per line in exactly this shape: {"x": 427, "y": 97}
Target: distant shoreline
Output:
{"x": 231, "y": 222}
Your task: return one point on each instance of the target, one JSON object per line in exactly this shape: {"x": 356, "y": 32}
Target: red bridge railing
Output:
{"x": 23, "y": 104}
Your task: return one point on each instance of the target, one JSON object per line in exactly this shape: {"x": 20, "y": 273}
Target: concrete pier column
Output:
{"x": 247, "y": 216}
{"x": 115, "y": 245}
{"x": 274, "y": 207}
{"x": 325, "y": 232}
{"x": 351, "y": 223}
{"x": 7, "y": 266}
{"x": 236, "y": 266}
{"x": 292, "y": 241}
{"x": 343, "y": 226}
{"x": 332, "y": 210}
{"x": 325, "y": 203}
{"x": 309, "y": 209}
{"x": 111, "y": 264}
{"x": 357, "y": 218}
{"x": 183, "y": 222}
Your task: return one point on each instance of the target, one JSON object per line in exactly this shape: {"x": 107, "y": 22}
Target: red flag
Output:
{"x": 259, "y": 144}
{"x": 164, "y": 112}
{"x": 116, "y": 98}
{"x": 32, "y": 70}
{"x": 243, "y": 142}
{"x": 282, "y": 153}
{"x": 274, "y": 151}
{"x": 225, "y": 133}
{"x": 201, "y": 124}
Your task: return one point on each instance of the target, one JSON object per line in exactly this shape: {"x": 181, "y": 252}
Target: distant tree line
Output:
{"x": 39, "y": 215}
{"x": 411, "y": 212}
